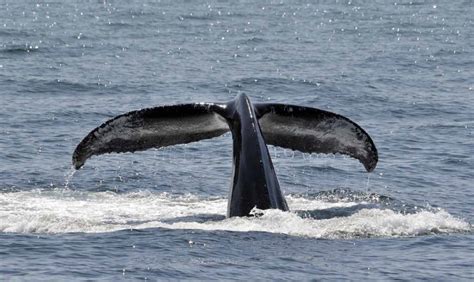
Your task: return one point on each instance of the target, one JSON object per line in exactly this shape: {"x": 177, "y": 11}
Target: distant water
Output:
{"x": 403, "y": 70}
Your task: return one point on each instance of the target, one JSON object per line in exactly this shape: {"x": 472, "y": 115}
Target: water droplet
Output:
{"x": 69, "y": 176}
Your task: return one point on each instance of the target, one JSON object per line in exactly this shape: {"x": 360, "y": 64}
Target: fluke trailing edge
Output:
{"x": 254, "y": 182}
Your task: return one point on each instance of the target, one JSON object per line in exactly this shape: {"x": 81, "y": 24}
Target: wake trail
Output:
{"x": 329, "y": 215}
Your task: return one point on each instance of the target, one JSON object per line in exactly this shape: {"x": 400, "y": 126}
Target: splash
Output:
{"x": 330, "y": 215}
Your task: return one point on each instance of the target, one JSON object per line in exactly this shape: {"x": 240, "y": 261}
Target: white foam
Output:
{"x": 66, "y": 211}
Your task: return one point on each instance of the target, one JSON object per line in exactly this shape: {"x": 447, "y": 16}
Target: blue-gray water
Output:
{"x": 404, "y": 71}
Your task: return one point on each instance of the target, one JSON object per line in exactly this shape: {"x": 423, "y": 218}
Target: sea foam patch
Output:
{"x": 63, "y": 211}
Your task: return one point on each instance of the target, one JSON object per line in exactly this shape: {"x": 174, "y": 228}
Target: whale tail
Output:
{"x": 299, "y": 128}
{"x": 152, "y": 128}
{"x": 312, "y": 130}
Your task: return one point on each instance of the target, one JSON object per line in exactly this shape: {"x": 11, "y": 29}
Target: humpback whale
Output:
{"x": 253, "y": 126}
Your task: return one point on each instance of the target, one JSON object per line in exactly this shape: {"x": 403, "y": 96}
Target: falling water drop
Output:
{"x": 69, "y": 176}
{"x": 368, "y": 182}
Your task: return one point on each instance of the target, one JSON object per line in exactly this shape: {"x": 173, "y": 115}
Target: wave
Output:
{"x": 274, "y": 80}
{"x": 210, "y": 16}
{"x": 67, "y": 211}
{"x": 15, "y": 33}
{"x": 65, "y": 86}
{"x": 18, "y": 49}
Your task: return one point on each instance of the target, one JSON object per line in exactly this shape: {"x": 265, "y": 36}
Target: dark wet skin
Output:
{"x": 254, "y": 182}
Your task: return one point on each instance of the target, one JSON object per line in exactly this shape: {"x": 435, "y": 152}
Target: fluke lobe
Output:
{"x": 254, "y": 182}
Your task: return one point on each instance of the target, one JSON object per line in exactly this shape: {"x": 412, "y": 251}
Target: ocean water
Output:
{"x": 403, "y": 70}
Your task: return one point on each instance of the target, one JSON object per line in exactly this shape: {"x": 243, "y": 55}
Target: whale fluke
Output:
{"x": 152, "y": 128}
{"x": 312, "y": 130}
{"x": 254, "y": 181}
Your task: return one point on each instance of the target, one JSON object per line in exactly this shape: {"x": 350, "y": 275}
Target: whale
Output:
{"x": 254, "y": 181}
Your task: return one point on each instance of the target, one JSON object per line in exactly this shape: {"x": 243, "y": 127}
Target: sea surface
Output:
{"x": 403, "y": 70}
